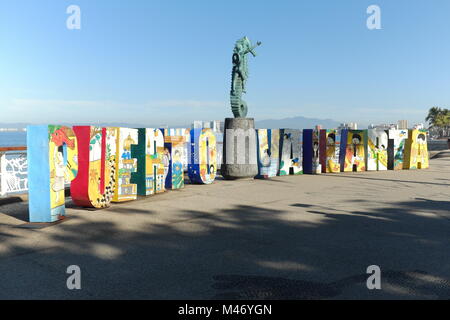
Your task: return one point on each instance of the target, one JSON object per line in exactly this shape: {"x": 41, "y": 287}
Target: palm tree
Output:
{"x": 432, "y": 114}
{"x": 445, "y": 122}
{"x": 439, "y": 119}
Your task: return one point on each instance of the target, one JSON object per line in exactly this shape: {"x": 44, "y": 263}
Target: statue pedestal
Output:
{"x": 239, "y": 149}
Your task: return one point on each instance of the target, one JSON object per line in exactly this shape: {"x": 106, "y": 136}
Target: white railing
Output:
{"x": 13, "y": 170}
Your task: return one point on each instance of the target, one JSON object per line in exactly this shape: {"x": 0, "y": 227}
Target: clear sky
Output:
{"x": 169, "y": 62}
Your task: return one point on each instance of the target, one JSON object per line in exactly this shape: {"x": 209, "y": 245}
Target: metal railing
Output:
{"x": 13, "y": 170}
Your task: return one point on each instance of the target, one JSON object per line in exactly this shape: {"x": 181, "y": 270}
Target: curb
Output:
{"x": 440, "y": 154}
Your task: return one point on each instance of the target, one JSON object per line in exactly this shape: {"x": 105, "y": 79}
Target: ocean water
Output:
{"x": 13, "y": 139}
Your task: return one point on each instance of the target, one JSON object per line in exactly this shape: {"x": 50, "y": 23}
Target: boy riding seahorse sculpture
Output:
{"x": 239, "y": 75}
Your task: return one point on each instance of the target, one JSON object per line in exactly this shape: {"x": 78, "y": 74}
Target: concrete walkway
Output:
{"x": 297, "y": 237}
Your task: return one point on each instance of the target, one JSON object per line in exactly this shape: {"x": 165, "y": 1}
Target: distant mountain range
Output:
{"x": 288, "y": 123}
{"x": 296, "y": 123}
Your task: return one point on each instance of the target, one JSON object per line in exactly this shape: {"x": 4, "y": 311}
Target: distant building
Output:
{"x": 384, "y": 126}
{"x": 350, "y": 126}
{"x": 418, "y": 126}
{"x": 197, "y": 124}
{"x": 216, "y": 125}
{"x": 207, "y": 125}
{"x": 402, "y": 124}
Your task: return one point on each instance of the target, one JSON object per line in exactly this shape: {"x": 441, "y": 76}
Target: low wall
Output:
{"x": 437, "y": 145}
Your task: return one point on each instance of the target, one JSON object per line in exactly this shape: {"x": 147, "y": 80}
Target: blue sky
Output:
{"x": 169, "y": 62}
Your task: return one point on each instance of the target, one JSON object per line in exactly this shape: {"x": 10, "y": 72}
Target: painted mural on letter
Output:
{"x": 416, "y": 153}
{"x": 396, "y": 148}
{"x": 290, "y": 152}
{"x": 125, "y": 190}
{"x": 173, "y": 161}
{"x": 316, "y": 166}
{"x": 333, "y": 142}
{"x": 63, "y": 155}
{"x": 268, "y": 152}
{"x": 203, "y": 165}
{"x": 53, "y": 163}
{"x": 377, "y": 153}
{"x": 186, "y": 149}
{"x": 355, "y": 156}
{"x": 94, "y": 185}
{"x": 149, "y": 176}
{"x": 155, "y": 166}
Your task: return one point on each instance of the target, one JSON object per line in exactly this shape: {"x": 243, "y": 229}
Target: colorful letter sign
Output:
{"x": 311, "y": 152}
{"x": 268, "y": 149}
{"x": 203, "y": 165}
{"x": 330, "y": 141}
{"x": 94, "y": 185}
{"x": 173, "y": 161}
{"x": 377, "y": 145}
{"x": 105, "y": 165}
{"x": 124, "y": 190}
{"x": 396, "y": 148}
{"x": 52, "y": 162}
{"x": 186, "y": 149}
{"x": 355, "y": 156}
{"x": 149, "y": 176}
{"x": 290, "y": 152}
{"x": 416, "y": 152}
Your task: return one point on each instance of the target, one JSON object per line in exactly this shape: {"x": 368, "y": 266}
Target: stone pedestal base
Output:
{"x": 239, "y": 149}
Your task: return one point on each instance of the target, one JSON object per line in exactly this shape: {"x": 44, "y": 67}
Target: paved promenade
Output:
{"x": 297, "y": 237}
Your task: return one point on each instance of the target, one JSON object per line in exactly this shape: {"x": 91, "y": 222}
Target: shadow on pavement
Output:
{"x": 241, "y": 252}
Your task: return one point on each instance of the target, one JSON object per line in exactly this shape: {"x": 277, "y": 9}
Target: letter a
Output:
{"x": 74, "y": 281}
{"x": 73, "y": 21}
{"x": 374, "y": 21}
{"x": 374, "y": 281}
